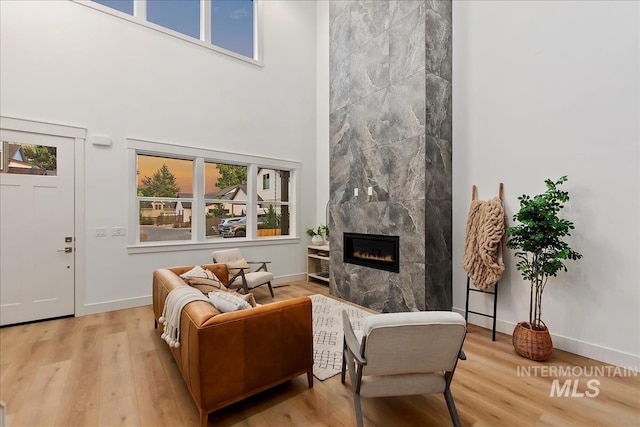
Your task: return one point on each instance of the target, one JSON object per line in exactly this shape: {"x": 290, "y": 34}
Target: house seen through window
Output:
{"x": 167, "y": 206}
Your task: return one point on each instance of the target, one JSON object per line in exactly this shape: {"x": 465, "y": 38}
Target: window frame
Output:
{"x": 140, "y": 17}
{"x": 199, "y": 156}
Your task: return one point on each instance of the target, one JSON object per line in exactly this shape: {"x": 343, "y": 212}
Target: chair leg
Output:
{"x": 270, "y": 289}
{"x": 310, "y": 378}
{"x": 448, "y": 397}
{"x": 357, "y": 404}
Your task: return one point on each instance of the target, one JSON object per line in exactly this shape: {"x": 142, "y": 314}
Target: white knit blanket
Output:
{"x": 173, "y": 305}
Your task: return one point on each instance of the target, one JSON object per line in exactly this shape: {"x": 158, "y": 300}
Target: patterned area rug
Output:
{"x": 328, "y": 335}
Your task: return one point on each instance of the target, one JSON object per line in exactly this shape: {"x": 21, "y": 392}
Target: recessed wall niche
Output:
{"x": 390, "y": 129}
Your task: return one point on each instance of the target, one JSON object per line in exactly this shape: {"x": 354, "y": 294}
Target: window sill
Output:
{"x": 155, "y": 247}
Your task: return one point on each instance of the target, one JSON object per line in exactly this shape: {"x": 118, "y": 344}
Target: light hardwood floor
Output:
{"x": 112, "y": 369}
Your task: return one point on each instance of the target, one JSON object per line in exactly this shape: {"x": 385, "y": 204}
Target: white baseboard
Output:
{"x": 581, "y": 348}
{"x": 289, "y": 278}
{"x": 121, "y": 304}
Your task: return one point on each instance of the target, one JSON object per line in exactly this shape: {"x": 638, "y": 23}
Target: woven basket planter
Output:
{"x": 532, "y": 344}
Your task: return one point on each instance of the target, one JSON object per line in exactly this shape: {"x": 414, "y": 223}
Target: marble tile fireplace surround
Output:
{"x": 390, "y": 149}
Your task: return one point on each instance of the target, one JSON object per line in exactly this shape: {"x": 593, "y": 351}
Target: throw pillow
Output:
{"x": 226, "y": 301}
{"x": 206, "y": 287}
{"x": 216, "y": 283}
{"x": 249, "y": 298}
{"x": 198, "y": 271}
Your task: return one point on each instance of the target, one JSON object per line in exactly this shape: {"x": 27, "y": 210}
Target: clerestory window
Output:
{"x": 229, "y": 26}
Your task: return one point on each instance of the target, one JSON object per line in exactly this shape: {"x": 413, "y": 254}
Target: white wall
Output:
{"x": 322, "y": 107}
{"x": 65, "y": 63}
{"x": 542, "y": 89}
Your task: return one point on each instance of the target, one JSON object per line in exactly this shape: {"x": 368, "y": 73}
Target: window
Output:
{"x": 227, "y": 24}
{"x": 273, "y": 203}
{"x": 232, "y": 25}
{"x": 125, "y": 6}
{"x": 225, "y": 200}
{"x": 164, "y": 188}
{"x": 182, "y": 16}
{"x": 28, "y": 159}
{"x": 191, "y": 195}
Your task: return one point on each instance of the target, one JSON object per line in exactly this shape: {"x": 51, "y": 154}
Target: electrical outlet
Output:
{"x": 101, "y": 232}
{"x": 118, "y": 231}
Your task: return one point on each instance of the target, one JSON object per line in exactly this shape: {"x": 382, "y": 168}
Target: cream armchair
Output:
{"x": 404, "y": 354}
{"x": 240, "y": 274}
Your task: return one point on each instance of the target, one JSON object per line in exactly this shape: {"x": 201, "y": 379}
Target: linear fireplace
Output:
{"x": 372, "y": 250}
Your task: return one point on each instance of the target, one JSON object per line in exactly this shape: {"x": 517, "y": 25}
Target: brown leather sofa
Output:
{"x": 226, "y": 357}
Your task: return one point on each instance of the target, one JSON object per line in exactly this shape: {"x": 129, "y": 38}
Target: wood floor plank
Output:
{"x": 112, "y": 369}
{"x": 121, "y": 412}
{"x": 156, "y": 402}
{"x": 117, "y": 369}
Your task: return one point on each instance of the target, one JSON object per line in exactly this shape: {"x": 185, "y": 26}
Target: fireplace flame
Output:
{"x": 366, "y": 255}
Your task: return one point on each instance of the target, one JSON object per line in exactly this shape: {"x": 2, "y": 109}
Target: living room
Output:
{"x": 540, "y": 90}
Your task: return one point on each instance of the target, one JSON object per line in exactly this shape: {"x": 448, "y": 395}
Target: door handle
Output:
{"x": 67, "y": 250}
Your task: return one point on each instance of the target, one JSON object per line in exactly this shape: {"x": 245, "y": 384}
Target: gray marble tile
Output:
{"x": 438, "y": 288}
{"x": 441, "y": 7}
{"x": 438, "y": 229}
{"x": 340, "y": 135}
{"x": 407, "y": 107}
{"x": 369, "y": 68}
{"x": 339, "y": 38}
{"x": 399, "y": 9}
{"x": 438, "y": 173}
{"x": 368, "y": 171}
{"x": 407, "y": 290}
{"x": 438, "y": 107}
{"x": 438, "y": 45}
{"x": 339, "y": 87}
{"x": 407, "y": 45}
{"x": 406, "y": 220}
{"x": 369, "y": 287}
{"x": 371, "y": 119}
{"x": 339, "y": 131}
{"x": 337, "y": 7}
{"x": 340, "y": 282}
{"x": 404, "y": 165}
{"x": 369, "y": 18}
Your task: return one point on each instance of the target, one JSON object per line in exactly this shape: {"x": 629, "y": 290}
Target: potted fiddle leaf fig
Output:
{"x": 541, "y": 253}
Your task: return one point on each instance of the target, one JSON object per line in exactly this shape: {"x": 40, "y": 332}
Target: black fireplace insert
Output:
{"x": 372, "y": 250}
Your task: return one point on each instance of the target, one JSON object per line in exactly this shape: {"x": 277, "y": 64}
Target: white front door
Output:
{"x": 36, "y": 227}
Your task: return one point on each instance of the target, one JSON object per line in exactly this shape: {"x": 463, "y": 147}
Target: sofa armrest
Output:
{"x": 243, "y": 352}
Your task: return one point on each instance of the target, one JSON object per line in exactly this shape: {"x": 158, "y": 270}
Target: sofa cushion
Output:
{"x": 228, "y": 301}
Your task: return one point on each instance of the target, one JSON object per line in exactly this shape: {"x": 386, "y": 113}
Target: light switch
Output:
{"x": 355, "y": 192}
{"x": 370, "y": 191}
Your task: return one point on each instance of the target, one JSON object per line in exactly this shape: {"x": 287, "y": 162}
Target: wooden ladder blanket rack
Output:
{"x": 493, "y": 316}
